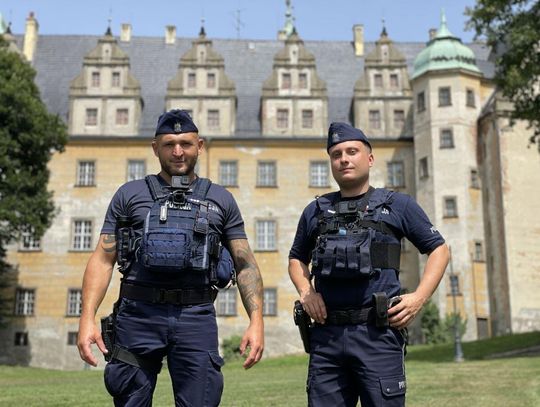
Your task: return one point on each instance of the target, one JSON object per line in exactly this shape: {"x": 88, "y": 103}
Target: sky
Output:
{"x": 405, "y": 20}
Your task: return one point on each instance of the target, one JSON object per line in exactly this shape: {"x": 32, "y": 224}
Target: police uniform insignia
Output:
{"x": 177, "y": 127}
{"x": 335, "y": 138}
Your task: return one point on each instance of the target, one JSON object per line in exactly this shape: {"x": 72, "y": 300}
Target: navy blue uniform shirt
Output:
{"x": 407, "y": 219}
{"x": 134, "y": 200}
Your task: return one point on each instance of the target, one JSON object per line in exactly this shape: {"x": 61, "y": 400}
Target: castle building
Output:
{"x": 439, "y": 129}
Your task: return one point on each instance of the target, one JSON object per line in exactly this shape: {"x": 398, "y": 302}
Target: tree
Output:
{"x": 29, "y": 135}
{"x": 512, "y": 29}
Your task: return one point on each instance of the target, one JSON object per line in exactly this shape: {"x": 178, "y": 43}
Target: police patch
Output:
{"x": 177, "y": 127}
{"x": 335, "y": 138}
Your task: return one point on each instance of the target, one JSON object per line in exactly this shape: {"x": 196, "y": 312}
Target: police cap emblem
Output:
{"x": 335, "y": 138}
{"x": 177, "y": 127}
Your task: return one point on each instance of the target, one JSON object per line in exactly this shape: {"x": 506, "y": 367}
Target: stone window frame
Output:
{"x": 423, "y": 168}
{"x": 95, "y": 79}
{"x": 470, "y": 98}
{"x": 115, "y": 79}
{"x": 25, "y": 301}
{"x": 211, "y": 80}
{"x": 191, "y": 80}
{"x": 135, "y": 169}
{"x": 475, "y": 178}
{"x": 421, "y": 101}
{"x": 72, "y": 338}
{"x": 266, "y": 237}
{"x": 394, "y": 81}
{"x": 213, "y": 119}
{"x": 446, "y": 138}
{"x": 478, "y": 251}
{"x": 122, "y": 116}
{"x": 378, "y": 81}
{"x": 91, "y": 116}
{"x": 315, "y": 175}
{"x": 74, "y": 302}
{"x": 286, "y": 80}
{"x": 445, "y": 96}
{"x": 268, "y": 179}
{"x": 28, "y": 241}
{"x": 307, "y": 118}
{"x": 374, "y": 119}
{"x": 398, "y": 124}
{"x": 20, "y": 338}
{"x": 391, "y": 174}
{"x": 83, "y": 235}
{"x": 303, "y": 80}
{"x": 282, "y": 118}
{"x": 226, "y": 303}
{"x": 228, "y": 173}
{"x": 450, "y": 206}
{"x": 270, "y": 303}
{"x": 86, "y": 173}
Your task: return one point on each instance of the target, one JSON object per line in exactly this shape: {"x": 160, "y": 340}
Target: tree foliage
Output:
{"x": 29, "y": 135}
{"x": 512, "y": 29}
{"x": 436, "y": 330}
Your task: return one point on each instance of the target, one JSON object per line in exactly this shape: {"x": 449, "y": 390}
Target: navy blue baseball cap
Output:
{"x": 175, "y": 121}
{"x": 338, "y": 132}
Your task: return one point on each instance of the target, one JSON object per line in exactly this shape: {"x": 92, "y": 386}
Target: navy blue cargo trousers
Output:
{"x": 185, "y": 335}
{"x": 351, "y": 362}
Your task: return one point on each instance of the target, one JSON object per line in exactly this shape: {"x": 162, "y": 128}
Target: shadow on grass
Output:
{"x": 482, "y": 349}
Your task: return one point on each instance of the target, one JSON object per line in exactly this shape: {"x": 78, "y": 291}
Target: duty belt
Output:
{"x": 350, "y": 316}
{"x": 189, "y": 296}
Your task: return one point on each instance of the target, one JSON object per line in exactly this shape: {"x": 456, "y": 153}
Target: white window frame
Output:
{"x": 319, "y": 174}
{"x": 86, "y": 173}
{"x": 136, "y": 169}
{"x": 270, "y": 302}
{"x": 228, "y": 173}
{"x": 265, "y": 235}
{"x": 25, "y": 301}
{"x": 226, "y": 303}
{"x": 81, "y": 234}
{"x": 266, "y": 174}
{"x": 74, "y": 302}
{"x": 395, "y": 174}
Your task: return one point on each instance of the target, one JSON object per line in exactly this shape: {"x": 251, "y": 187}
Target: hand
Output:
{"x": 402, "y": 314}
{"x": 89, "y": 334}
{"x": 314, "y": 305}
{"x": 254, "y": 338}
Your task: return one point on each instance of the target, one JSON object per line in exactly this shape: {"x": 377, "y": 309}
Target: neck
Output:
{"x": 348, "y": 191}
{"x": 168, "y": 178}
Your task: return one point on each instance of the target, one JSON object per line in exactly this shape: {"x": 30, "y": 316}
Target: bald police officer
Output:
{"x": 352, "y": 240}
{"x": 173, "y": 229}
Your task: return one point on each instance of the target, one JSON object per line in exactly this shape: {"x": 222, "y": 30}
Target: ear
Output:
{"x": 155, "y": 146}
{"x": 200, "y": 145}
{"x": 371, "y": 159}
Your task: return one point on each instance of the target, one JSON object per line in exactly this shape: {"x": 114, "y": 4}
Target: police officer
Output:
{"x": 166, "y": 296}
{"x": 352, "y": 240}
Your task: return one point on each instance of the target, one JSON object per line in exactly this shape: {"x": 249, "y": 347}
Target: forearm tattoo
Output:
{"x": 248, "y": 278}
{"x": 109, "y": 243}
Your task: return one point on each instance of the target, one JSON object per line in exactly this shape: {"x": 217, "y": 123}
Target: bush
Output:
{"x": 437, "y": 331}
{"x": 230, "y": 347}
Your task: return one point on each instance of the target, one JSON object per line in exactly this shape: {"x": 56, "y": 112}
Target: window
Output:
{"x": 286, "y": 81}
{"x": 86, "y": 171}
{"x": 423, "y": 171}
{"x": 74, "y": 305}
{"x": 136, "y": 169}
{"x": 24, "y": 301}
{"x": 122, "y": 117}
{"x": 420, "y": 102}
{"x": 29, "y": 241}
{"x": 282, "y": 118}
{"x": 395, "y": 177}
{"x": 394, "y": 80}
{"x": 191, "y": 80}
{"x": 478, "y": 251}
{"x": 450, "y": 207}
{"x": 91, "y": 117}
{"x": 318, "y": 174}
{"x": 213, "y": 119}
{"x": 307, "y": 119}
{"x": 302, "y": 81}
{"x": 265, "y": 231}
{"x": 270, "y": 301}
{"x": 399, "y": 119}
{"x": 95, "y": 80}
{"x": 266, "y": 174}
{"x": 81, "y": 235}
{"x": 475, "y": 180}
{"x": 226, "y": 302}
{"x": 21, "y": 339}
{"x": 72, "y": 338}
{"x": 211, "y": 80}
{"x": 482, "y": 327}
{"x": 378, "y": 80}
{"x": 445, "y": 97}
{"x": 115, "y": 83}
{"x": 228, "y": 173}
{"x": 446, "y": 138}
{"x": 470, "y": 98}
{"x": 374, "y": 119}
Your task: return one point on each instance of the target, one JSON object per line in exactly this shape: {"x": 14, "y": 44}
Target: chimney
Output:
{"x": 432, "y": 33}
{"x": 30, "y": 37}
{"x": 125, "y": 33}
{"x": 358, "y": 34}
{"x": 170, "y": 34}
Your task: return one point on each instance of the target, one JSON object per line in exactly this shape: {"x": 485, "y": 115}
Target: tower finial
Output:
{"x": 109, "y": 20}
{"x": 383, "y": 32}
{"x": 202, "y": 33}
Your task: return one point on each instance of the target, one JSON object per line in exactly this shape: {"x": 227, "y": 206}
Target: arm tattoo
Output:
{"x": 109, "y": 243}
{"x": 248, "y": 276}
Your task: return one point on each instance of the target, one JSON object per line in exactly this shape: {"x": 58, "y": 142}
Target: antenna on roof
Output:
{"x": 238, "y": 24}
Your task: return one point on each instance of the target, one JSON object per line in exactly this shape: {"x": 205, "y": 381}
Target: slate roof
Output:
{"x": 248, "y": 63}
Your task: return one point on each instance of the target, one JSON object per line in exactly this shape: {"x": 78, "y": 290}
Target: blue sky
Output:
{"x": 405, "y": 20}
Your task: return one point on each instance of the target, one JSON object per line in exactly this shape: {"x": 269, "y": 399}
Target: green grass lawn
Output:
{"x": 433, "y": 380}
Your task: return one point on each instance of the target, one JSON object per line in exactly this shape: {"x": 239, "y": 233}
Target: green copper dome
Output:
{"x": 444, "y": 52}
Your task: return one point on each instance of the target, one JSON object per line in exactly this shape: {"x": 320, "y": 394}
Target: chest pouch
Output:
{"x": 344, "y": 256}
{"x": 177, "y": 236}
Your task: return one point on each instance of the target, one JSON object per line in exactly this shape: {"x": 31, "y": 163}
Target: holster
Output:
{"x": 108, "y": 334}
{"x": 380, "y": 304}
{"x": 303, "y": 322}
